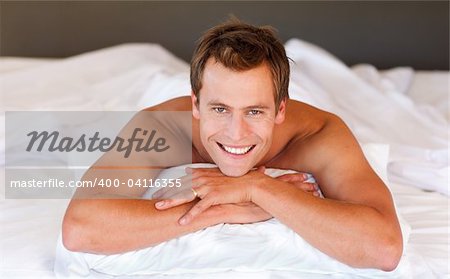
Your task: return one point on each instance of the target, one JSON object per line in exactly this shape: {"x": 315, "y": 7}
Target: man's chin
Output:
{"x": 233, "y": 171}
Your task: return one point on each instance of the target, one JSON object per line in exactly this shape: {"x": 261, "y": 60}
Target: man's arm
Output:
{"x": 115, "y": 220}
{"x": 111, "y": 226}
{"x": 356, "y": 223}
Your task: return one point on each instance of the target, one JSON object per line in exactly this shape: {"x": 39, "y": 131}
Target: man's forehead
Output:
{"x": 237, "y": 89}
{"x": 213, "y": 66}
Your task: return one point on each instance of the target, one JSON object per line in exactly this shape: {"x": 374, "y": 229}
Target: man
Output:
{"x": 242, "y": 119}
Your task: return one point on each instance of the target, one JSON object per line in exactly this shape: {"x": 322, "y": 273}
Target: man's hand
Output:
{"x": 214, "y": 188}
{"x": 299, "y": 180}
{"x": 174, "y": 196}
{"x": 190, "y": 185}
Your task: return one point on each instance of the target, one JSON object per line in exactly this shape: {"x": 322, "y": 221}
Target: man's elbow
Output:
{"x": 79, "y": 233}
{"x": 71, "y": 235}
{"x": 391, "y": 251}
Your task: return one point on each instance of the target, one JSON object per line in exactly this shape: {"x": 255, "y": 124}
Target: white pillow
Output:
{"x": 261, "y": 246}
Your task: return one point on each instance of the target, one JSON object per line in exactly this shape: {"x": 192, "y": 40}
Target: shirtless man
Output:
{"x": 242, "y": 119}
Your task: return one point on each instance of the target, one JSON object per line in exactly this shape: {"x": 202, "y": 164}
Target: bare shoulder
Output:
{"x": 177, "y": 104}
{"x": 319, "y": 136}
{"x": 305, "y": 120}
{"x": 328, "y": 149}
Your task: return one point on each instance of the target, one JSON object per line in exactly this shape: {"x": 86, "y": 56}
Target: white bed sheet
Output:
{"x": 30, "y": 230}
{"x": 130, "y": 77}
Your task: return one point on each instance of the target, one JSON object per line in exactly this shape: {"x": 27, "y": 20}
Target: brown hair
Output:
{"x": 240, "y": 46}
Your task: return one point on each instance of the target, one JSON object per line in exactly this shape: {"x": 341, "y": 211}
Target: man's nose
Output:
{"x": 238, "y": 128}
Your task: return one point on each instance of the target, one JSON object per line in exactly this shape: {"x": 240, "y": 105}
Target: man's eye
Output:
{"x": 219, "y": 110}
{"x": 254, "y": 112}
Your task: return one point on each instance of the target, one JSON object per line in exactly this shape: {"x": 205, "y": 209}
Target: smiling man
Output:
{"x": 243, "y": 121}
{"x": 236, "y": 132}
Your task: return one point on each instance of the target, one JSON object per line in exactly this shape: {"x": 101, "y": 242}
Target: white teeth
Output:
{"x": 238, "y": 151}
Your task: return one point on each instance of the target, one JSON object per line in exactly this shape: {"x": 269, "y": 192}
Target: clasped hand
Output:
{"x": 212, "y": 188}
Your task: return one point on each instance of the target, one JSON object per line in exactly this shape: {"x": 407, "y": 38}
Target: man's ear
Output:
{"x": 281, "y": 113}
{"x": 195, "y": 109}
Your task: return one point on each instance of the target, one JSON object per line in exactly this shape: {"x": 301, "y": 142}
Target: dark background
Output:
{"x": 386, "y": 34}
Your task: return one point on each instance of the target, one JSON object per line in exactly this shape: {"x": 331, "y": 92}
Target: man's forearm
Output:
{"x": 354, "y": 234}
{"x": 110, "y": 226}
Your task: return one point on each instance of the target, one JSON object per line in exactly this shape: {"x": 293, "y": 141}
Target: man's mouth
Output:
{"x": 236, "y": 150}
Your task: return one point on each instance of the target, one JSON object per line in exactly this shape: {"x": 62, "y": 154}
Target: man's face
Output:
{"x": 237, "y": 116}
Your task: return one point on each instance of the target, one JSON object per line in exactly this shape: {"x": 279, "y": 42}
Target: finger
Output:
{"x": 200, "y": 191}
{"x": 311, "y": 192}
{"x": 199, "y": 182}
{"x": 186, "y": 181}
{"x": 166, "y": 192}
{"x": 261, "y": 169}
{"x": 168, "y": 203}
{"x": 284, "y": 177}
{"x": 310, "y": 186}
{"x": 291, "y": 177}
{"x": 299, "y": 177}
{"x": 177, "y": 199}
{"x": 306, "y": 186}
{"x": 197, "y": 209}
{"x": 185, "y": 194}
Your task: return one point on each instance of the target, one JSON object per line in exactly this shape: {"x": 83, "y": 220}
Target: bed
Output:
{"x": 410, "y": 119}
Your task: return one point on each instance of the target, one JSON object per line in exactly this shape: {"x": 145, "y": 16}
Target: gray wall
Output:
{"x": 386, "y": 34}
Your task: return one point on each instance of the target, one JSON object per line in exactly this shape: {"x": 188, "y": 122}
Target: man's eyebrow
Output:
{"x": 220, "y": 104}
{"x": 216, "y": 104}
{"x": 262, "y": 107}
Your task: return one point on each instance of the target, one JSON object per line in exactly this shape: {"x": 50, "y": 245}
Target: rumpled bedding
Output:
{"x": 384, "y": 107}
{"x": 256, "y": 247}
{"x": 375, "y": 107}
